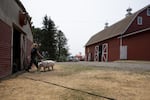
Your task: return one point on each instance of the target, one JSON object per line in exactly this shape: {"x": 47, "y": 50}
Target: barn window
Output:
{"x": 148, "y": 11}
{"x": 139, "y": 20}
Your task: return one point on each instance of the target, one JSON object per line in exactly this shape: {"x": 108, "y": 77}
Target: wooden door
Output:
{"x": 104, "y": 52}
{"x": 23, "y": 51}
{"x": 96, "y": 54}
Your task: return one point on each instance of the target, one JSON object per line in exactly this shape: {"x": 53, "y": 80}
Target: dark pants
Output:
{"x": 33, "y": 61}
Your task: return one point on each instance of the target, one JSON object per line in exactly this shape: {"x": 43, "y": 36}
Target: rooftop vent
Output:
{"x": 129, "y": 12}
{"x": 106, "y": 25}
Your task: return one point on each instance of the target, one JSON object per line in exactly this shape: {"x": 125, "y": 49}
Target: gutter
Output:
{"x": 133, "y": 33}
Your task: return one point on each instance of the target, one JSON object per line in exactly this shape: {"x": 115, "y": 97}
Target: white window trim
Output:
{"x": 139, "y": 20}
{"x": 148, "y": 11}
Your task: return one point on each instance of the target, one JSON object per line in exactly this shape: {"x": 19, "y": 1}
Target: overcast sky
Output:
{"x": 80, "y": 19}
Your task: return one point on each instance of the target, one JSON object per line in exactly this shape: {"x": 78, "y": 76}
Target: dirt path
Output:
{"x": 78, "y": 81}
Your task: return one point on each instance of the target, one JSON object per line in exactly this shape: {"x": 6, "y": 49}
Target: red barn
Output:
{"x": 15, "y": 37}
{"x": 127, "y": 39}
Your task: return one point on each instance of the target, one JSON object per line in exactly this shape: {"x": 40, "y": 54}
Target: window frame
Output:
{"x": 139, "y": 20}
{"x": 148, "y": 11}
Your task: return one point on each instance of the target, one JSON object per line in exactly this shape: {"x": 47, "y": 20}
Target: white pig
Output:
{"x": 46, "y": 64}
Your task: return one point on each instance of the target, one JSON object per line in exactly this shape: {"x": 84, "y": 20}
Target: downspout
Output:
{"x": 121, "y": 40}
{"x": 121, "y": 44}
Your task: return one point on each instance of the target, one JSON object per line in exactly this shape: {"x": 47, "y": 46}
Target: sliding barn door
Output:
{"x": 23, "y": 51}
{"x": 104, "y": 52}
{"x": 96, "y": 54}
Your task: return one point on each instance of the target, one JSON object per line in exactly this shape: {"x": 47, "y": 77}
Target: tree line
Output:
{"x": 52, "y": 42}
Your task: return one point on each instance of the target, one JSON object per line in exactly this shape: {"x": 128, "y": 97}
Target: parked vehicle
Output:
{"x": 72, "y": 59}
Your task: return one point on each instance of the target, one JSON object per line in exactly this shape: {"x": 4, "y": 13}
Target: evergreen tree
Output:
{"x": 62, "y": 49}
{"x": 52, "y": 41}
{"x": 36, "y": 35}
{"x": 48, "y": 43}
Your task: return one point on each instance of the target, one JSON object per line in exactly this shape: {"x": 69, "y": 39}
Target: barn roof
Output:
{"x": 20, "y": 5}
{"x": 113, "y": 30}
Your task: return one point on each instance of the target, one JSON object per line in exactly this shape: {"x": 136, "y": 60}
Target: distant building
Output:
{"x": 15, "y": 37}
{"x": 127, "y": 39}
{"x": 80, "y": 57}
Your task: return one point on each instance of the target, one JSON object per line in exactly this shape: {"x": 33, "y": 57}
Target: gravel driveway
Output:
{"x": 124, "y": 65}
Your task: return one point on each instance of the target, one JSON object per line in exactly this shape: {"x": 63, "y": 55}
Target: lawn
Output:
{"x": 77, "y": 82}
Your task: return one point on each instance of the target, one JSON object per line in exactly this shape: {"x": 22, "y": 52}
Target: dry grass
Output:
{"x": 74, "y": 82}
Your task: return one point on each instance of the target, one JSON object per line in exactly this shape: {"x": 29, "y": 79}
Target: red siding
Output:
{"x": 90, "y": 49}
{"x": 138, "y": 46}
{"x": 5, "y": 49}
{"x": 135, "y": 27}
{"x": 113, "y": 49}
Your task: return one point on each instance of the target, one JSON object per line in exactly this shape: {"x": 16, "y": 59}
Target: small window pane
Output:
{"x": 139, "y": 20}
{"x": 148, "y": 11}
